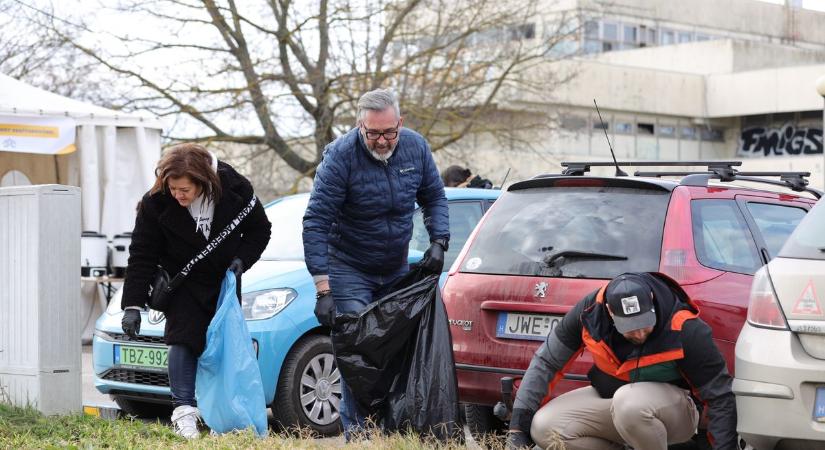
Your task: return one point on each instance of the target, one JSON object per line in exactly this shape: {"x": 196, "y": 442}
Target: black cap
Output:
{"x": 631, "y": 302}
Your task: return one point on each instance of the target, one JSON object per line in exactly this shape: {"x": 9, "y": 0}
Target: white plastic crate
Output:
{"x": 40, "y": 348}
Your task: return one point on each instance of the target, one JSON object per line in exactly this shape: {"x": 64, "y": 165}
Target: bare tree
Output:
{"x": 32, "y": 53}
{"x": 284, "y": 75}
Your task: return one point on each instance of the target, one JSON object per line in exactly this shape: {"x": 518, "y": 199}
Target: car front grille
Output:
{"x": 137, "y": 377}
{"x": 120, "y": 337}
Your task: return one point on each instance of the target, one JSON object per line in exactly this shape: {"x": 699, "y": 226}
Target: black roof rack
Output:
{"x": 582, "y": 167}
{"x": 721, "y": 170}
{"x": 793, "y": 180}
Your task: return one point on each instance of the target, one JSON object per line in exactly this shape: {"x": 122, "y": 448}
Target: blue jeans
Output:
{"x": 183, "y": 365}
{"x": 352, "y": 291}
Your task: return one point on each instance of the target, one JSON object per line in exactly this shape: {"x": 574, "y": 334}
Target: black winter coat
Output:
{"x": 165, "y": 234}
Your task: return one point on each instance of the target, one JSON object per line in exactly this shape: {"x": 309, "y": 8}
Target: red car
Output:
{"x": 549, "y": 241}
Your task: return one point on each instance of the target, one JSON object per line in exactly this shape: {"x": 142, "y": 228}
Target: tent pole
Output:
{"x": 56, "y": 170}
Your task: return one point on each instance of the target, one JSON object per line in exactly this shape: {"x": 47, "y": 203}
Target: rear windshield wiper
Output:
{"x": 560, "y": 258}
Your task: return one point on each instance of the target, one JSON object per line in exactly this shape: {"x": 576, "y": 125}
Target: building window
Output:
{"x": 685, "y": 36}
{"x": 649, "y": 39}
{"x": 598, "y": 125}
{"x": 521, "y": 32}
{"x": 702, "y": 37}
{"x": 687, "y": 133}
{"x": 810, "y": 115}
{"x": 630, "y": 36}
{"x": 667, "y": 131}
{"x": 624, "y": 127}
{"x": 712, "y": 134}
{"x": 646, "y": 129}
{"x": 755, "y": 120}
{"x": 591, "y": 30}
{"x": 592, "y": 46}
{"x": 668, "y": 37}
{"x": 572, "y": 122}
{"x": 610, "y": 36}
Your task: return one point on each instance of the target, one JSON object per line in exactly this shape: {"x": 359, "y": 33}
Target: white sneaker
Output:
{"x": 185, "y": 421}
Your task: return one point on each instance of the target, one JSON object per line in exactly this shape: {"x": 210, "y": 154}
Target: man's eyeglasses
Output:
{"x": 389, "y": 135}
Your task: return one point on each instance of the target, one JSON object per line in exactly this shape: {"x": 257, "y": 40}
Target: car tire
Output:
{"x": 483, "y": 425}
{"x": 147, "y": 410}
{"x": 299, "y": 404}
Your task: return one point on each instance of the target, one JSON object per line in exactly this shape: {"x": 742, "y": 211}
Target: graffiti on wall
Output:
{"x": 788, "y": 140}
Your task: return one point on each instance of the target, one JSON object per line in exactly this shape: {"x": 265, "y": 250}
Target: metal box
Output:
{"x": 40, "y": 348}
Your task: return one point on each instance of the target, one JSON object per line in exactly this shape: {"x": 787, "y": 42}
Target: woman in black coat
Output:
{"x": 194, "y": 197}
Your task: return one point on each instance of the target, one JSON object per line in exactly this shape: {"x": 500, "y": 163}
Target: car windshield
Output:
{"x": 581, "y": 232}
{"x": 286, "y": 216}
{"x": 808, "y": 240}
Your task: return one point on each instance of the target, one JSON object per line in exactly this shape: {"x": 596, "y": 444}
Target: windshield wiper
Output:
{"x": 553, "y": 260}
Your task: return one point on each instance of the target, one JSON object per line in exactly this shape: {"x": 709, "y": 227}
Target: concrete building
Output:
{"x": 698, "y": 79}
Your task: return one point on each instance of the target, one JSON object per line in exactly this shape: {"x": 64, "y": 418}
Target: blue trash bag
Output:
{"x": 228, "y": 384}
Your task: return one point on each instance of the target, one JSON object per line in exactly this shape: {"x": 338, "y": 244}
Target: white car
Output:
{"x": 780, "y": 353}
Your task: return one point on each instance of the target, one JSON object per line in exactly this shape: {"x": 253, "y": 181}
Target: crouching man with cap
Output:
{"x": 650, "y": 351}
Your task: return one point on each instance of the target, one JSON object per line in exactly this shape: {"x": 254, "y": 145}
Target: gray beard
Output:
{"x": 380, "y": 157}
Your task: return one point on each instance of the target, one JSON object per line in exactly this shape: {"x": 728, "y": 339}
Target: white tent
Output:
{"x": 114, "y": 159}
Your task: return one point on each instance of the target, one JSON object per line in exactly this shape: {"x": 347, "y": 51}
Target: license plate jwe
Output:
{"x": 525, "y": 326}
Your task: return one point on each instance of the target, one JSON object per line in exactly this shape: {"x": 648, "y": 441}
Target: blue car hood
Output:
{"x": 271, "y": 274}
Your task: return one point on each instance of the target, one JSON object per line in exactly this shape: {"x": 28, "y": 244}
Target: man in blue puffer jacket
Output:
{"x": 358, "y": 223}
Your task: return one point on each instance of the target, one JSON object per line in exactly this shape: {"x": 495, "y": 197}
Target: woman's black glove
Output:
{"x": 131, "y": 322}
{"x": 236, "y": 266}
{"x": 325, "y": 309}
{"x": 433, "y": 260}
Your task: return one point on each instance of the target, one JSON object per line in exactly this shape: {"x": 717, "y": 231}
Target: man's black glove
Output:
{"x": 325, "y": 309}
{"x": 131, "y": 322}
{"x": 433, "y": 260}
{"x": 236, "y": 266}
{"x": 518, "y": 440}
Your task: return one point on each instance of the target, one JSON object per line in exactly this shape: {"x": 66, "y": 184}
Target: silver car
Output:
{"x": 780, "y": 353}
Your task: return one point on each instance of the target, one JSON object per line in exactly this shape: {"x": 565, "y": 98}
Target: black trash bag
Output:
{"x": 397, "y": 359}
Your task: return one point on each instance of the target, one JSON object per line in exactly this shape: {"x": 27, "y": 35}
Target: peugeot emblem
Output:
{"x": 156, "y": 317}
{"x": 541, "y": 289}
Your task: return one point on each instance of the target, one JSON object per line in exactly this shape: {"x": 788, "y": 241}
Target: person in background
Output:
{"x": 650, "y": 349}
{"x": 457, "y": 176}
{"x": 358, "y": 224}
{"x": 194, "y": 197}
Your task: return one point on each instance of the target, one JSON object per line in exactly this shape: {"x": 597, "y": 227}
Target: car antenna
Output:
{"x": 619, "y": 172}
{"x": 501, "y": 186}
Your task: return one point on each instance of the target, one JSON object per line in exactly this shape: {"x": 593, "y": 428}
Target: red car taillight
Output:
{"x": 678, "y": 257}
{"x": 764, "y": 310}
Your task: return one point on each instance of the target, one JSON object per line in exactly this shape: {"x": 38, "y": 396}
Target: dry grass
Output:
{"x": 27, "y": 428}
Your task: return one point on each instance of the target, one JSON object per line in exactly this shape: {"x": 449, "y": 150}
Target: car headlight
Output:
{"x": 265, "y": 304}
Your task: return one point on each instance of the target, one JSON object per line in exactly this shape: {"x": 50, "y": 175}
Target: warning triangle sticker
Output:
{"x": 808, "y": 303}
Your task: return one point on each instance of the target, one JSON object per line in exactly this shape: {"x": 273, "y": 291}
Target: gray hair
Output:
{"x": 377, "y": 100}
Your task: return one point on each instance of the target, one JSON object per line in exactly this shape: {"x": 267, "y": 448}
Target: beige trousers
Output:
{"x": 646, "y": 416}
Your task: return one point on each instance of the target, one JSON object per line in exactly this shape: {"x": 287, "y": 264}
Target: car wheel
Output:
{"x": 309, "y": 388}
{"x": 143, "y": 409}
{"x": 482, "y": 423}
